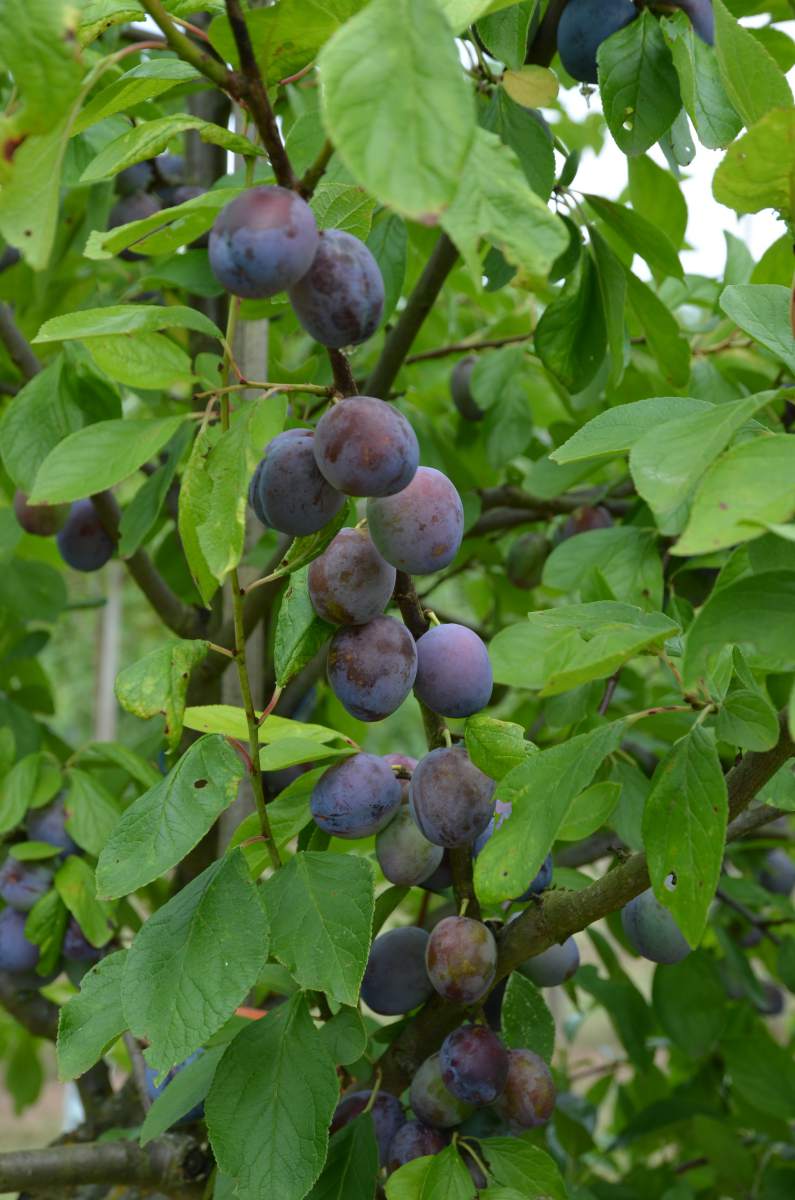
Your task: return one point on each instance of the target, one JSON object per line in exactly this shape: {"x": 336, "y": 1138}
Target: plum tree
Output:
{"x": 364, "y": 447}
{"x": 48, "y": 824}
{"x": 387, "y": 1113}
{"x": 778, "y": 873}
{"x": 431, "y": 1102}
{"x": 372, "y": 667}
{"x": 419, "y": 530}
{"x": 461, "y": 957}
{"x": 355, "y": 797}
{"x": 474, "y": 1064}
{"x": 18, "y": 955}
{"x": 454, "y": 676}
{"x": 553, "y": 966}
{"x": 461, "y": 389}
{"x": 339, "y": 301}
{"x": 652, "y": 931}
{"x": 83, "y": 542}
{"x": 22, "y": 883}
{"x": 287, "y": 491}
{"x": 395, "y": 979}
{"x": 42, "y": 520}
{"x": 450, "y": 798}
{"x": 135, "y": 207}
{"x": 262, "y": 242}
{"x": 584, "y": 25}
{"x": 528, "y": 1098}
{"x": 415, "y": 1140}
{"x": 350, "y": 583}
{"x": 404, "y": 854}
{"x": 526, "y": 557}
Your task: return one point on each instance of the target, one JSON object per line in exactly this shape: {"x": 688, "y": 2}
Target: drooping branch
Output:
{"x": 173, "y": 1164}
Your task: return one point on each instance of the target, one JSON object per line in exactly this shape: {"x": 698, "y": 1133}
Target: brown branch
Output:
{"x": 315, "y": 171}
{"x": 174, "y": 1164}
{"x": 747, "y": 915}
{"x": 463, "y": 347}
{"x": 544, "y": 45}
{"x": 344, "y": 381}
{"x": 33, "y": 1011}
{"x": 590, "y": 849}
{"x": 19, "y": 349}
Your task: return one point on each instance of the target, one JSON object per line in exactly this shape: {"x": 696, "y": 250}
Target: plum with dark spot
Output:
{"x": 17, "y": 954}
{"x": 404, "y": 854}
{"x": 585, "y": 520}
{"x": 454, "y": 677}
{"x": 355, "y": 797}
{"x": 133, "y": 208}
{"x": 387, "y": 1113}
{"x": 76, "y": 946}
{"x": 41, "y": 520}
{"x": 526, "y": 558}
{"x": 395, "y": 980}
{"x": 584, "y": 25}
{"x": 430, "y": 1100}
{"x": 22, "y": 883}
{"x": 339, "y": 301}
{"x": 372, "y": 667}
{"x": 262, "y": 242}
{"x": 289, "y": 493}
{"x": 350, "y": 583}
{"x": 365, "y": 447}
{"x": 415, "y": 1140}
{"x": 474, "y": 1064}
{"x": 156, "y": 1089}
{"x": 651, "y": 930}
{"x": 48, "y": 824}
{"x": 529, "y": 1095}
{"x": 450, "y": 798}
{"x": 83, "y": 542}
{"x": 461, "y": 389}
{"x": 778, "y": 873}
{"x": 419, "y": 530}
{"x": 553, "y": 966}
{"x": 461, "y": 957}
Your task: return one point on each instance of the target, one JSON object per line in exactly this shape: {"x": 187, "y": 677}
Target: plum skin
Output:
{"x": 404, "y": 854}
{"x": 387, "y": 1113}
{"x": 364, "y": 447}
{"x": 262, "y": 242}
{"x": 289, "y": 493}
{"x": 414, "y": 1140}
{"x": 77, "y": 947}
{"x": 529, "y": 1095}
{"x": 395, "y": 979}
{"x": 778, "y": 873}
{"x": 339, "y": 300}
{"x": 583, "y": 26}
{"x": 430, "y": 1100}
{"x": 454, "y": 676}
{"x": 22, "y": 884}
{"x": 418, "y": 530}
{"x": 355, "y": 797}
{"x": 48, "y": 824}
{"x": 474, "y": 1064}
{"x": 40, "y": 520}
{"x": 83, "y": 542}
{"x": 461, "y": 957}
{"x": 450, "y": 798}
{"x": 652, "y": 931}
{"x": 553, "y": 966}
{"x": 18, "y": 955}
{"x": 350, "y": 583}
{"x": 371, "y": 668}
{"x": 461, "y": 389}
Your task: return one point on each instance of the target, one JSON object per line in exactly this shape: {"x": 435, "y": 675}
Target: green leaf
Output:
{"x": 690, "y": 1002}
{"x": 345, "y": 1036}
{"x": 385, "y": 905}
{"x": 351, "y": 1169}
{"x": 33, "y": 591}
{"x": 193, "y": 962}
{"x": 166, "y": 230}
{"x": 75, "y": 884}
{"x": 629, "y": 1014}
{"x": 149, "y": 360}
{"x": 625, "y": 558}
{"x": 304, "y": 550}
{"x": 638, "y": 84}
{"x": 90, "y": 1022}
{"x": 144, "y": 82}
{"x": 515, "y": 1162}
{"x": 496, "y": 747}
{"x": 684, "y": 829}
{"x": 762, "y": 1073}
{"x": 762, "y": 310}
{"x": 396, "y": 61}
{"x": 616, "y": 430}
{"x": 144, "y": 509}
{"x": 388, "y": 243}
{"x": 185, "y": 1091}
{"x": 45, "y": 927}
{"x": 527, "y": 1023}
{"x": 268, "y": 1120}
{"x": 753, "y": 81}
{"x": 755, "y": 171}
{"x": 124, "y": 319}
{"x": 655, "y": 192}
{"x": 93, "y": 812}
{"x": 36, "y": 48}
{"x": 703, "y": 93}
{"x": 152, "y": 137}
{"x": 96, "y": 16}
{"x": 613, "y": 292}
{"x": 342, "y": 206}
{"x": 661, "y": 329}
{"x": 115, "y": 755}
{"x": 505, "y": 33}
{"x": 539, "y": 791}
{"x": 441, "y": 1176}
{"x": 223, "y": 718}
{"x": 320, "y": 908}
{"x": 300, "y": 633}
{"x": 291, "y": 751}
{"x": 752, "y": 612}
{"x": 158, "y": 683}
{"x": 163, "y": 825}
{"x": 589, "y": 811}
{"x": 571, "y": 338}
{"x": 747, "y": 719}
{"x": 528, "y": 137}
{"x": 639, "y": 235}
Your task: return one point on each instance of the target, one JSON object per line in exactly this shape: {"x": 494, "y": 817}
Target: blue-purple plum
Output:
{"x": 262, "y": 242}
{"x": 404, "y": 854}
{"x": 419, "y": 530}
{"x": 553, "y": 966}
{"x": 356, "y": 797}
{"x": 778, "y": 873}
{"x": 387, "y": 1113}
{"x": 137, "y": 178}
{"x": 350, "y": 583}
{"x": 461, "y": 958}
{"x": 372, "y": 667}
{"x": 652, "y": 931}
{"x": 431, "y": 1102}
{"x": 454, "y": 677}
{"x": 529, "y": 1094}
{"x": 365, "y": 447}
{"x": 395, "y": 979}
{"x": 415, "y": 1140}
{"x": 41, "y": 520}
{"x": 156, "y": 1089}
{"x": 133, "y": 208}
{"x": 407, "y": 763}
{"x": 76, "y": 946}
{"x": 525, "y": 563}
{"x": 17, "y": 954}
{"x": 48, "y": 824}
{"x": 291, "y": 495}
{"x": 702, "y": 17}
{"x": 450, "y": 798}
{"x": 583, "y": 26}
{"x": 83, "y": 542}
{"x": 474, "y": 1064}
{"x": 340, "y": 299}
{"x": 461, "y": 389}
{"x": 442, "y": 878}
{"x": 22, "y": 883}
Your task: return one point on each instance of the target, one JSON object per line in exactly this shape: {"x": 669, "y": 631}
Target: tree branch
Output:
{"x": 33, "y": 1011}
{"x": 189, "y": 52}
{"x": 19, "y": 348}
{"x": 463, "y": 347}
{"x": 315, "y": 171}
{"x": 175, "y": 1164}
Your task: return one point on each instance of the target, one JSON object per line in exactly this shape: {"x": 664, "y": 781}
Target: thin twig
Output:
{"x": 748, "y": 915}
{"x": 315, "y": 171}
{"x": 463, "y": 347}
{"x": 138, "y": 1070}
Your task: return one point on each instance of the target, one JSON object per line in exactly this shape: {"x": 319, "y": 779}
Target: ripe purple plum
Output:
{"x": 461, "y": 957}
{"x": 372, "y": 667}
{"x": 526, "y": 558}
{"x": 42, "y": 520}
{"x": 364, "y": 447}
{"x": 48, "y": 824}
{"x": 356, "y": 797}
{"x": 395, "y": 979}
{"x": 652, "y": 931}
{"x": 450, "y": 798}
{"x": 585, "y": 520}
{"x": 83, "y": 542}
{"x": 454, "y": 676}
{"x": 350, "y": 583}
{"x": 778, "y": 873}
{"x": 442, "y": 878}
{"x": 553, "y": 966}
{"x": 290, "y": 494}
{"x": 408, "y": 764}
{"x": 529, "y": 1095}
{"x": 387, "y": 1113}
{"x": 702, "y": 17}
{"x": 262, "y": 242}
{"x": 474, "y": 1064}
{"x": 133, "y": 208}
{"x": 415, "y": 1140}
{"x": 404, "y": 854}
{"x": 583, "y": 26}
{"x": 17, "y": 954}
{"x": 340, "y": 299}
{"x": 76, "y": 946}
{"x": 22, "y": 883}
{"x": 430, "y": 1100}
{"x": 419, "y": 530}
{"x": 137, "y": 178}
{"x": 461, "y": 389}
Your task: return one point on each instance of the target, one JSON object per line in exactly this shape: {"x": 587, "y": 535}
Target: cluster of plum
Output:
{"x": 82, "y": 540}
{"x": 585, "y": 24}
{"x": 147, "y": 187}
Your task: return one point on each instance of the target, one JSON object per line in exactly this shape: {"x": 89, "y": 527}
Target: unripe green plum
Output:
{"x": 652, "y": 931}
{"x": 461, "y": 389}
{"x": 404, "y": 854}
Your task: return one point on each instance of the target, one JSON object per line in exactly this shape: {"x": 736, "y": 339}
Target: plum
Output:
{"x": 430, "y": 1100}
{"x": 420, "y": 529}
{"x": 461, "y": 389}
{"x": 289, "y": 493}
{"x": 529, "y": 1094}
{"x": 48, "y": 824}
{"x": 404, "y": 854}
{"x": 395, "y": 979}
{"x": 526, "y": 559}
{"x": 76, "y": 946}
{"x": 355, "y": 797}
{"x": 263, "y": 242}
{"x": 372, "y": 667}
{"x": 137, "y": 178}
{"x": 408, "y": 764}
{"x": 584, "y": 520}
{"x": 133, "y": 208}
{"x": 474, "y": 1064}
{"x": 83, "y": 542}
{"x": 415, "y": 1140}
{"x": 350, "y": 583}
{"x": 553, "y": 966}
{"x": 454, "y": 677}
{"x": 701, "y": 15}
{"x": 22, "y": 883}
{"x": 652, "y": 931}
{"x": 364, "y": 447}
{"x": 17, "y": 954}
{"x": 339, "y": 301}
{"x": 387, "y": 1114}
{"x": 442, "y": 877}
{"x": 41, "y": 520}
{"x": 461, "y": 957}
{"x": 584, "y": 25}
{"x": 778, "y": 873}
{"x": 450, "y": 798}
